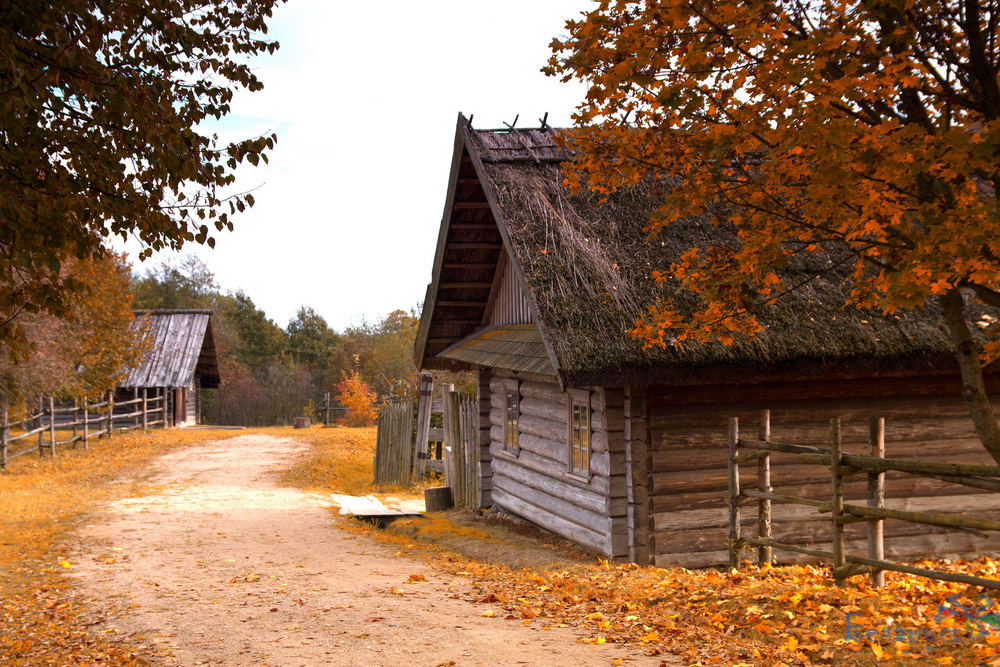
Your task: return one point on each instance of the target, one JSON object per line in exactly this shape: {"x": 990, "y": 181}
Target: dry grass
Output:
{"x": 342, "y": 460}
{"x": 41, "y": 500}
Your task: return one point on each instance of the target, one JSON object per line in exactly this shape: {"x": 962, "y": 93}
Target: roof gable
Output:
{"x": 475, "y": 279}
{"x": 584, "y": 271}
{"x": 183, "y": 344}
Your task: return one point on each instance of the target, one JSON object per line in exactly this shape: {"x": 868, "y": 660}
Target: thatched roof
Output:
{"x": 586, "y": 272}
{"x": 183, "y": 344}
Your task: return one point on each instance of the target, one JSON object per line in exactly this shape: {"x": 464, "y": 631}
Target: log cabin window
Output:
{"x": 512, "y": 410}
{"x": 579, "y": 433}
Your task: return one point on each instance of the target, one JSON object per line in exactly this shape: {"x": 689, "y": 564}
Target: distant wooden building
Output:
{"x": 181, "y": 362}
{"x": 621, "y": 448}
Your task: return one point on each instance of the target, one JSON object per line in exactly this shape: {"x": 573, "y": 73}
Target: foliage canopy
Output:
{"x": 868, "y": 132}
{"x": 100, "y": 112}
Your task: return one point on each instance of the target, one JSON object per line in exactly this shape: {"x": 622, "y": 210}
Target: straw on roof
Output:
{"x": 588, "y": 270}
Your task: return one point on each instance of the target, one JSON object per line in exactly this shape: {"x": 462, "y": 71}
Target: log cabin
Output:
{"x": 180, "y": 362}
{"x": 620, "y": 447}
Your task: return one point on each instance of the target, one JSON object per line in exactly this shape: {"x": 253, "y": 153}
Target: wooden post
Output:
{"x": 425, "y": 396}
{"x": 326, "y": 400}
{"x": 764, "y": 486}
{"x": 135, "y": 400}
{"x": 86, "y": 423}
{"x": 452, "y": 437}
{"x": 732, "y": 439}
{"x": 52, "y": 426}
{"x": 76, "y": 419}
{"x": 40, "y": 423}
{"x": 837, "y": 484}
{"x": 876, "y": 497}
{"x": 4, "y": 434}
{"x": 111, "y": 413}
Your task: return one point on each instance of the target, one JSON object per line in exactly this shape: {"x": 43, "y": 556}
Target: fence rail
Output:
{"x": 84, "y": 422}
{"x": 841, "y": 465}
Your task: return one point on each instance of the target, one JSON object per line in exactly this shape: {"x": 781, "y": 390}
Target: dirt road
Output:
{"x": 221, "y": 566}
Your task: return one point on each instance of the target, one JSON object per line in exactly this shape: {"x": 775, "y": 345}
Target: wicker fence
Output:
{"x": 51, "y": 425}
{"x": 841, "y": 465}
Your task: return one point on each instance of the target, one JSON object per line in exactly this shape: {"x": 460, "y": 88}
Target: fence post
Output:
{"x": 837, "y": 484}
{"x": 111, "y": 413}
{"x": 76, "y": 418}
{"x": 764, "y": 486}
{"x": 876, "y": 497}
{"x": 326, "y": 399}
{"x": 4, "y": 434}
{"x": 379, "y": 463}
{"x": 425, "y": 396}
{"x": 86, "y": 423}
{"x": 40, "y": 426}
{"x": 145, "y": 408}
{"x": 52, "y": 425}
{"x": 732, "y": 439}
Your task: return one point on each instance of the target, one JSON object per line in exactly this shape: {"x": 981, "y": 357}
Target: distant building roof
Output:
{"x": 183, "y": 344}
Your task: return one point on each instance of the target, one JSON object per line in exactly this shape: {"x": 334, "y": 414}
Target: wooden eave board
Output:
{"x": 516, "y": 347}
{"x": 468, "y": 251}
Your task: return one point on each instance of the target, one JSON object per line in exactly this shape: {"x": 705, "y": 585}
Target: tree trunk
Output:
{"x": 973, "y": 386}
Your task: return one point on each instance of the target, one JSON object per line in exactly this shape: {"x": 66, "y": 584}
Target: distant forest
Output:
{"x": 271, "y": 374}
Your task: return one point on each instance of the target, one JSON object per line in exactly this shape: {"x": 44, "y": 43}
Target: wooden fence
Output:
{"x": 842, "y": 464}
{"x": 402, "y": 452}
{"x": 76, "y": 423}
{"x": 394, "y": 450}
{"x": 331, "y": 411}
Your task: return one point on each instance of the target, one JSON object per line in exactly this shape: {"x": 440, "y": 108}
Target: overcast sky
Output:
{"x": 364, "y": 98}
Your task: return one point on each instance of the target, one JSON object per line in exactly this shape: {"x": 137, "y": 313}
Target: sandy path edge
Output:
{"x": 224, "y": 567}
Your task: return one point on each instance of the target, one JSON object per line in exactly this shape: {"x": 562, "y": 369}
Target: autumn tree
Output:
{"x": 869, "y": 131}
{"x": 359, "y": 398}
{"x": 103, "y": 110}
{"x": 88, "y": 350}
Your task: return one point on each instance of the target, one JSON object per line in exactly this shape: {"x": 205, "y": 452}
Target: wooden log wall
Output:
{"x": 688, "y": 483}
{"x": 536, "y": 483}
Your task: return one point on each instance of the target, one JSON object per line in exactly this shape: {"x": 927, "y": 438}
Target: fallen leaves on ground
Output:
{"x": 758, "y": 616}
{"x": 42, "y": 621}
{"x": 755, "y": 616}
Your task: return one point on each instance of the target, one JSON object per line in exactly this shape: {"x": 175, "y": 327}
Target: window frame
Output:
{"x": 579, "y": 454}
{"x": 511, "y": 429}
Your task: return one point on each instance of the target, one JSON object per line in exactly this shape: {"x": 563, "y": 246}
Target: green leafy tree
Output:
{"x": 103, "y": 110}
{"x": 385, "y": 353}
{"x": 248, "y": 335}
{"x": 310, "y": 339}
{"x": 864, "y": 134}
{"x": 186, "y": 283}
